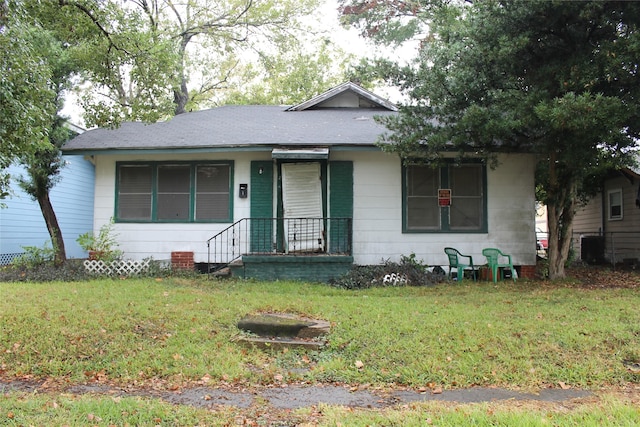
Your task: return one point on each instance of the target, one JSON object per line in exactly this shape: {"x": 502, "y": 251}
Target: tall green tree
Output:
{"x": 43, "y": 171}
{"x": 141, "y": 60}
{"x": 285, "y": 78}
{"x": 33, "y": 77}
{"x": 151, "y": 59}
{"x": 26, "y": 100}
{"x": 389, "y": 22}
{"x": 559, "y": 79}
{"x": 43, "y": 165}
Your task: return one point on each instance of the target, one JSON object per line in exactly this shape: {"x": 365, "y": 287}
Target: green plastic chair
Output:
{"x": 455, "y": 258}
{"x": 494, "y": 258}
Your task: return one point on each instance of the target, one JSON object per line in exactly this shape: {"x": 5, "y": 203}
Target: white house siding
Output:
{"x": 377, "y": 211}
{"x": 158, "y": 240}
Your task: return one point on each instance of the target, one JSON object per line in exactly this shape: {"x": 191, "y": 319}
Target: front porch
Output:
{"x": 310, "y": 249}
{"x": 311, "y": 268}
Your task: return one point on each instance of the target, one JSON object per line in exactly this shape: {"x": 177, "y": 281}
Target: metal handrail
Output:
{"x": 251, "y": 236}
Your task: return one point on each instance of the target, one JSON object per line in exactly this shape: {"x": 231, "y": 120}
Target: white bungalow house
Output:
{"x": 300, "y": 192}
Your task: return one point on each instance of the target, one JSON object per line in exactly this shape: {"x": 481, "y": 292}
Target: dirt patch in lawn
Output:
{"x": 603, "y": 276}
{"x": 294, "y": 396}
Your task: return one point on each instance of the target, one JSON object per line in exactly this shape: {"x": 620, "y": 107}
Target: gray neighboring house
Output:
{"x": 607, "y": 229}
{"x": 299, "y": 192}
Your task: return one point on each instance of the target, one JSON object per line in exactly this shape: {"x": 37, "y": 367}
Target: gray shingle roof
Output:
{"x": 240, "y": 126}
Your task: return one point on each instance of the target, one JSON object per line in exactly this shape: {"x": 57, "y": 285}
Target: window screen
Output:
{"x": 466, "y": 210}
{"x": 173, "y": 192}
{"x": 182, "y": 192}
{"x": 615, "y": 204}
{"x": 212, "y": 192}
{"x": 422, "y": 208}
{"x": 134, "y": 192}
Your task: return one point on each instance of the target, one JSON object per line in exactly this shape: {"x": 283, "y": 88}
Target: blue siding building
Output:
{"x": 21, "y": 222}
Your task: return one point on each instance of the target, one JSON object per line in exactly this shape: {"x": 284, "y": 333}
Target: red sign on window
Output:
{"x": 444, "y": 197}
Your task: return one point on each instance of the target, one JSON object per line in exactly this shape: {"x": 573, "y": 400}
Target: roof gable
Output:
{"x": 346, "y": 95}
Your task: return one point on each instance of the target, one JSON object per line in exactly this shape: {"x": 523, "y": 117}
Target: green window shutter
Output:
{"x": 261, "y": 196}
{"x": 340, "y": 205}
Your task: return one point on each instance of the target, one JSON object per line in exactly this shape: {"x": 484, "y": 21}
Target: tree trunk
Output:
{"x": 181, "y": 94}
{"x": 561, "y": 207}
{"x": 54, "y": 229}
{"x": 181, "y": 97}
{"x": 560, "y": 222}
{"x": 554, "y": 255}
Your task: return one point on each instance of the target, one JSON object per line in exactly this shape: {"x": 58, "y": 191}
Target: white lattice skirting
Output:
{"x": 116, "y": 268}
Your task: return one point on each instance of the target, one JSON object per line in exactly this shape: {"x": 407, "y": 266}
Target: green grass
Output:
{"x": 522, "y": 335}
{"x": 611, "y": 412}
{"x": 169, "y": 332}
{"x": 66, "y": 410}
{"x": 19, "y": 409}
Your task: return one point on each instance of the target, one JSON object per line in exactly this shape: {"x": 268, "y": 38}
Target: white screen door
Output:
{"x": 302, "y": 207}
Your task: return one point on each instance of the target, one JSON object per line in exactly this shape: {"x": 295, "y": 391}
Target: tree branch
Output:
{"x": 86, "y": 11}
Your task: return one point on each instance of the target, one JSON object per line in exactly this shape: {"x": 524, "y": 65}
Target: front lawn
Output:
{"x": 523, "y": 335}
{"x": 175, "y": 332}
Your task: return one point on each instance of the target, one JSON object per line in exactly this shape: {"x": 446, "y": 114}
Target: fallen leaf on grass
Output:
{"x": 92, "y": 417}
{"x": 359, "y": 364}
{"x": 563, "y": 385}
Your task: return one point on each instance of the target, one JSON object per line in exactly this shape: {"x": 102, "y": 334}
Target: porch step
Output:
{"x": 223, "y": 272}
{"x": 277, "y": 331}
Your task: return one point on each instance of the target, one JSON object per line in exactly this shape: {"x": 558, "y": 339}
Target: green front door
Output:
{"x": 261, "y": 196}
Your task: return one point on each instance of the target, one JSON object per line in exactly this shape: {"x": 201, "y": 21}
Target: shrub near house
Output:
{"x": 103, "y": 246}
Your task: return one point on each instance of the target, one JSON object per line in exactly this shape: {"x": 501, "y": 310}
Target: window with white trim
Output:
{"x": 615, "y": 204}
{"x": 174, "y": 192}
{"x": 422, "y": 210}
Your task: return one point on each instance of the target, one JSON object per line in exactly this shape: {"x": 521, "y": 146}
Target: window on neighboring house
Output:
{"x": 422, "y": 210}
{"x": 615, "y": 204}
{"x": 174, "y": 192}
